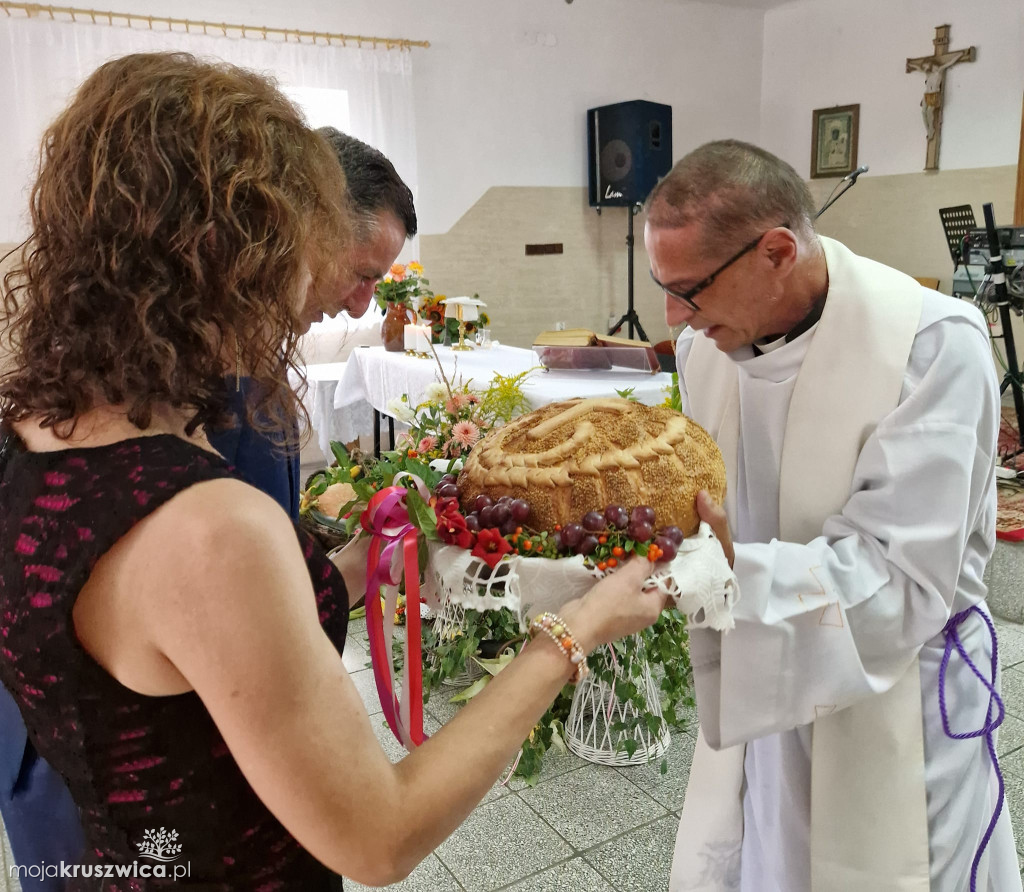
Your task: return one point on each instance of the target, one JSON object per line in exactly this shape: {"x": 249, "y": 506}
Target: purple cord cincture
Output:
{"x": 990, "y": 725}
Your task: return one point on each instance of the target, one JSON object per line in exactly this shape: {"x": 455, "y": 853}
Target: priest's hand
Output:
{"x": 713, "y": 515}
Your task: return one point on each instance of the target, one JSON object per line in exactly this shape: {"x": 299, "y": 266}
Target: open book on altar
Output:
{"x": 581, "y": 348}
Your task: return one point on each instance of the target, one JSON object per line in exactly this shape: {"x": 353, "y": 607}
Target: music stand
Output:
{"x": 630, "y": 315}
{"x": 956, "y": 223}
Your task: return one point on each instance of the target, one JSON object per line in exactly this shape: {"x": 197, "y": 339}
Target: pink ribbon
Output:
{"x": 394, "y": 552}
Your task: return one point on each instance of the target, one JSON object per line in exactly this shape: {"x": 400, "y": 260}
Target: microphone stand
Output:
{"x": 848, "y": 181}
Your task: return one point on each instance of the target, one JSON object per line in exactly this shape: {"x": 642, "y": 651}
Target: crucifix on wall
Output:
{"x": 934, "y": 68}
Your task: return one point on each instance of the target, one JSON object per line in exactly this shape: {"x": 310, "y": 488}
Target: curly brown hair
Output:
{"x": 177, "y": 208}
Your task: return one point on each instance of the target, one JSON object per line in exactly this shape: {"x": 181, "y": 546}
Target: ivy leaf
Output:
{"x": 422, "y": 515}
{"x": 557, "y": 741}
{"x": 469, "y": 693}
{"x": 497, "y": 664}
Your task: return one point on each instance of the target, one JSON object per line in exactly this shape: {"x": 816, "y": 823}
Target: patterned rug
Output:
{"x": 1010, "y": 515}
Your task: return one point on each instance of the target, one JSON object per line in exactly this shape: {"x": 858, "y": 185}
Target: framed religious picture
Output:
{"x": 834, "y": 141}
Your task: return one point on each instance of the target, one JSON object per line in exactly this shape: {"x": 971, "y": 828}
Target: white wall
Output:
{"x": 500, "y": 106}
{"x": 503, "y": 90}
{"x": 842, "y": 52}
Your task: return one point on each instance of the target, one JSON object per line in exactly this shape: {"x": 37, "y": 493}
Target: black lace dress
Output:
{"x": 135, "y": 765}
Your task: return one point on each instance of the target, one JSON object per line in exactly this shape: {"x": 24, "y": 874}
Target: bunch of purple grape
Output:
{"x": 504, "y": 515}
{"x": 638, "y": 525}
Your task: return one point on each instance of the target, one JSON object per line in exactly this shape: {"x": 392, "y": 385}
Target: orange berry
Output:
{"x": 519, "y": 531}
{"x": 528, "y": 545}
{"x": 602, "y": 540}
{"x": 558, "y": 527}
{"x": 652, "y": 555}
{"x": 612, "y": 562}
{"x": 601, "y": 565}
{"x": 618, "y": 551}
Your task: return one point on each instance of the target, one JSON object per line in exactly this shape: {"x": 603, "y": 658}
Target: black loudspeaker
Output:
{"x": 629, "y": 148}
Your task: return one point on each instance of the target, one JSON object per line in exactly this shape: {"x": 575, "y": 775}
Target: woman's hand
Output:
{"x": 615, "y": 607}
{"x": 351, "y": 562}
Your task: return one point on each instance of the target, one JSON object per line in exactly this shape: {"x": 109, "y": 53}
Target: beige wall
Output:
{"x": 485, "y": 253}
{"x": 893, "y": 219}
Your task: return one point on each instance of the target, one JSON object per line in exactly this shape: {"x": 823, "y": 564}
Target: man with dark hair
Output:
{"x": 857, "y": 414}
{"x": 384, "y": 218}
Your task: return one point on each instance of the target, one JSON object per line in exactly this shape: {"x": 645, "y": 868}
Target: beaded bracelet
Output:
{"x": 555, "y": 628}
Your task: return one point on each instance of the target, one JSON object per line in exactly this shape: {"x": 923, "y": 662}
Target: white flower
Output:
{"x": 400, "y": 410}
{"x": 436, "y": 392}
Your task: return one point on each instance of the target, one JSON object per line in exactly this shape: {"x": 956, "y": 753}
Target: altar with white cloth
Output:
{"x": 373, "y": 376}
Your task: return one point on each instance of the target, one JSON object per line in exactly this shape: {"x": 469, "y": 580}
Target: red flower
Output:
{"x": 452, "y": 529}
{"x": 490, "y": 547}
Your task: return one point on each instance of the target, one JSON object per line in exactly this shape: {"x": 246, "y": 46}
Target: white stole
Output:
{"x": 869, "y": 823}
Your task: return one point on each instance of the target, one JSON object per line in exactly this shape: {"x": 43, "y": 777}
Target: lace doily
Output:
{"x": 698, "y": 579}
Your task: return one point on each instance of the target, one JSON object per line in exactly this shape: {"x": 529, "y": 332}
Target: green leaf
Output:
{"x": 422, "y": 515}
{"x": 557, "y": 741}
{"x": 498, "y": 663}
{"x": 664, "y": 766}
{"x": 341, "y": 454}
{"x": 653, "y": 723}
{"x": 319, "y": 487}
{"x": 469, "y": 693}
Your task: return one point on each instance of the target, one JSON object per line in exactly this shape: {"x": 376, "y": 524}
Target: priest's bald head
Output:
{"x": 730, "y": 235}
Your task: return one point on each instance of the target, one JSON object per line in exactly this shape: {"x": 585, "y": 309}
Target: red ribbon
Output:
{"x": 394, "y": 553}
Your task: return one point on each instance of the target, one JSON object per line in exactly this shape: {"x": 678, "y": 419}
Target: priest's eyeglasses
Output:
{"x": 687, "y": 296}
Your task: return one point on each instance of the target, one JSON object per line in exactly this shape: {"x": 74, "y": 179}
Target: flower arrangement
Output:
{"x": 452, "y": 419}
{"x": 447, "y": 425}
{"x": 431, "y": 311}
{"x": 403, "y": 285}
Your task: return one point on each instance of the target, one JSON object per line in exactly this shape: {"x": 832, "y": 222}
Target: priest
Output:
{"x": 848, "y": 722}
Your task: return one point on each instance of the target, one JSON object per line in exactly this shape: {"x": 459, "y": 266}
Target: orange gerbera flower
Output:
{"x": 397, "y": 272}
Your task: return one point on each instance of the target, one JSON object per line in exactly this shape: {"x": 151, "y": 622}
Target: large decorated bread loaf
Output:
{"x": 569, "y": 458}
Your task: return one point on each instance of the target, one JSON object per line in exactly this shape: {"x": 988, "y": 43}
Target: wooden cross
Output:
{"x": 934, "y": 68}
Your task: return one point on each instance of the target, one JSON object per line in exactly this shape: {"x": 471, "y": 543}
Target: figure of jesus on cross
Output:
{"x": 934, "y": 68}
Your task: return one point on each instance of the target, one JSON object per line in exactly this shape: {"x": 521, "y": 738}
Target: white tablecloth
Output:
{"x": 322, "y": 379}
{"x": 373, "y": 376}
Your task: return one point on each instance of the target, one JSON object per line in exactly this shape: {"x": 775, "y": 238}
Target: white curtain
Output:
{"x": 43, "y": 61}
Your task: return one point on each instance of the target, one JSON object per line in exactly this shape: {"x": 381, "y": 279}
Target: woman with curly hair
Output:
{"x": 172, "y": 641}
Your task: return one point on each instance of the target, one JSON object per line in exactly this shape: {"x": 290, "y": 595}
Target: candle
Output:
{"x": 422, "y": 338}
{"x": 409, "y": 337}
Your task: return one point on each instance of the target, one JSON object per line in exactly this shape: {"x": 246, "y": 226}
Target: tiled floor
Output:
{"x": 591, "y": 828}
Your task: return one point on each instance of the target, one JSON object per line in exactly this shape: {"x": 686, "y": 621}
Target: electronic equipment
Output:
{"x": 629, "y": 148}
{"x": 975, "y": 245}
